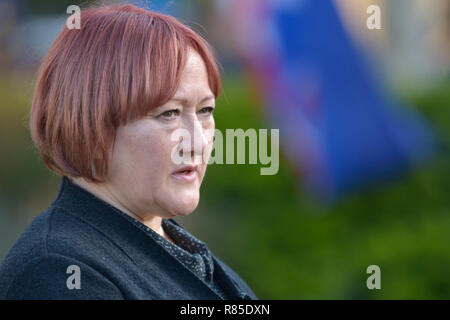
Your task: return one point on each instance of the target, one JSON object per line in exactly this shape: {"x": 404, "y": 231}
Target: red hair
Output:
{"x": 122, "y": 62}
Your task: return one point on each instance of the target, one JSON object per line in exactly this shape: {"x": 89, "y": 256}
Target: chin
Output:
{"x": 184, "y": 205}
{"x": 186, "y": 208}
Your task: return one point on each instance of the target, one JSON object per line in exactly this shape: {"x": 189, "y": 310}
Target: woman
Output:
{"x": 115, "y": 105}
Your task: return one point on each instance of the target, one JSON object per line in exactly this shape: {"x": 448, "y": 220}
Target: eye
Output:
{"x": 207, "y": 110}
{"x": 170, "y": 113}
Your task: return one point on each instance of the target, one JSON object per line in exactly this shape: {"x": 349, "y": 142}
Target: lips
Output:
{"x": 186, "y": 170}
{"x": 186, "y": 173}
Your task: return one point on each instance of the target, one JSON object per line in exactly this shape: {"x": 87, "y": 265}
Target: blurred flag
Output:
{"x": 336, "y": 125}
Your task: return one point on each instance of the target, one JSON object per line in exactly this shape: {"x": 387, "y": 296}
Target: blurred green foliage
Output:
{"x": 284, "y": 244}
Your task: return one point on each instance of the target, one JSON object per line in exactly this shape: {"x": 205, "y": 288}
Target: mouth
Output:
{"x": 186, "y": 173}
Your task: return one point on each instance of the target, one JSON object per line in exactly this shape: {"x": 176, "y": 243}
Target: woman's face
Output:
{"x": 141, "y": 170}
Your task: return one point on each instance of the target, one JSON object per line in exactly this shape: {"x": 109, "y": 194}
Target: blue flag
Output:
{"x": 336, "y": 123}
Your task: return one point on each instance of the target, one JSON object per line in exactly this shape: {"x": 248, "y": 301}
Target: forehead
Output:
{"x": 194, "y": 63}
{"x": 194, "y": 78}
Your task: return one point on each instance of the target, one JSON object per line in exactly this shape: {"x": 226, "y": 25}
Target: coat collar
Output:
{"x": 120, "y": 229}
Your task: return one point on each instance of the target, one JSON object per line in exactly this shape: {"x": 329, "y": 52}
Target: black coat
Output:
{"x": 116, "y": 259}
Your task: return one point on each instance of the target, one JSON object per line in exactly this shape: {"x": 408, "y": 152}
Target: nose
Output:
{"x": 196, "y": 142}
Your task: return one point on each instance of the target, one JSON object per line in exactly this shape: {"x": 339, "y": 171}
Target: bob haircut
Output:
{"x": 123, "y": 62}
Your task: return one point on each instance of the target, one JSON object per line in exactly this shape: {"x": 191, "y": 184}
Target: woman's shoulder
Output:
{"x": 52, "y": 232}
{"x": 29, "y": 247}
{"x": 31, "y": 242}
{"x": 51, "y": 243}
{"x": 50, "y": 226}
{"x": 57, "y": 231}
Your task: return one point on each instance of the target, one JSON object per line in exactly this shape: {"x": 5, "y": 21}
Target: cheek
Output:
{"x": 155, "y": 154}
{"x": 144, "y": 153}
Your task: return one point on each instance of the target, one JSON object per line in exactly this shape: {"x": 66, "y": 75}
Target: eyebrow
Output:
{"x": 184, "y": 100}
